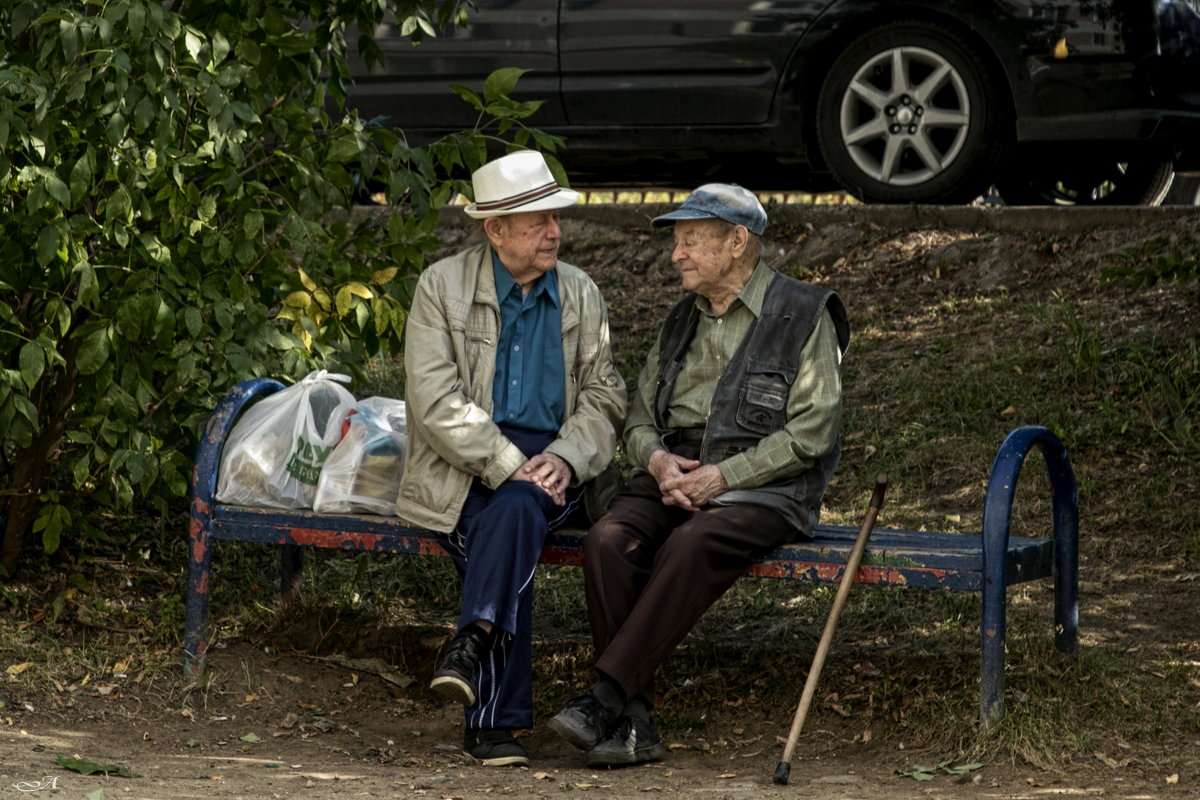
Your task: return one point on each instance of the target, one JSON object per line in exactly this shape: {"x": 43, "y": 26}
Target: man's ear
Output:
{"x": 493, "y": 228}
{"x": 741, "y": 240}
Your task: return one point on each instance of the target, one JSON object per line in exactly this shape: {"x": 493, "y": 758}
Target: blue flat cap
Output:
{"x": 726, "y": 201}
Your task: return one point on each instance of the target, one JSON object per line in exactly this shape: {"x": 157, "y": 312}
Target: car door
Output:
{"x": 676, "y": 62}
{"x": 411, "y": 88}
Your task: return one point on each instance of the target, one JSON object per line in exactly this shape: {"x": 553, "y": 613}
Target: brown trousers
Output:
{"x": 652, "y": 570}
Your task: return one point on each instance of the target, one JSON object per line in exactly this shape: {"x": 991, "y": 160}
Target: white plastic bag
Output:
{"x": 274, "y": 454}
{"x": 363, "y": 473}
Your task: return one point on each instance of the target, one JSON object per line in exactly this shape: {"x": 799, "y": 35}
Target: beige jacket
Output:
{"x": 450, "y": 344}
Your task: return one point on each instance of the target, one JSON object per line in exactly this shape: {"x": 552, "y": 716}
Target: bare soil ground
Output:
{"x": 304, "y": 712}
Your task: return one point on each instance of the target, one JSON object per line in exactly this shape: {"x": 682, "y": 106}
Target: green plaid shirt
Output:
{"x": 814, "y": 402}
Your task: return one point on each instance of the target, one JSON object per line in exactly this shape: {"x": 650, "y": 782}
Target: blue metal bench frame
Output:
{"x": 926, "y": 559}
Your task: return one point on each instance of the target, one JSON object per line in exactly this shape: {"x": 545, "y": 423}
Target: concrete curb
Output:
{"x": 1002, "y": 219}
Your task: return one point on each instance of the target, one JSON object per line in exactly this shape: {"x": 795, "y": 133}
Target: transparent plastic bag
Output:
{"x": 363, "y": 472}
{"x": 274, "y": 455}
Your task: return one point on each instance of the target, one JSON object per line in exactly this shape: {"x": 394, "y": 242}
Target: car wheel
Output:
{"x": 1125, "y": 183}
{"x": 1184, "y": 191}
{"x": 907, "y": 114}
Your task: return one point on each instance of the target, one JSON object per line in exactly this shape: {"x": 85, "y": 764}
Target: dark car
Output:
{"x": 895, "y": 100}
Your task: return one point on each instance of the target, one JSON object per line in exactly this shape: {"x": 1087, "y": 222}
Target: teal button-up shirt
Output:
{"x": 528, "y": 390}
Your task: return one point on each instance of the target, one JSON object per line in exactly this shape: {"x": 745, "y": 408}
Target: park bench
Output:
{"x": 987, "y": 563}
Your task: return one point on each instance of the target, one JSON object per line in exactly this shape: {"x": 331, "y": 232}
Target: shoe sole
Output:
{"x": 571, "y": 735}
{"x": 640, "y": 756}
{"x": 454, "y": 689}
{"x": 504, "y": 761}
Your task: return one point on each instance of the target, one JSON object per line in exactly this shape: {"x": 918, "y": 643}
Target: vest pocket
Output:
{"x": 762, "y": 407}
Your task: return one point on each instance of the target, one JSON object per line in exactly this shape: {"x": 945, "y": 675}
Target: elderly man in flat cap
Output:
{"x": 733, "y": 433}
{"x": 513, "y": 403}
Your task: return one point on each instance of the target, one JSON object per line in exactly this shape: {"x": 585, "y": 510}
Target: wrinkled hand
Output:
{"x": 684, "y": 482}
{"x": 548, "y": 471}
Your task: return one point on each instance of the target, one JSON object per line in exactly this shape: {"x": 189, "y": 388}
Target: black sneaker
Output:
{"x": 454, "y": 677}
{"x": 495, "y": 748}
{"x": 634, "y": 740}
{"x": 584, "y": 722}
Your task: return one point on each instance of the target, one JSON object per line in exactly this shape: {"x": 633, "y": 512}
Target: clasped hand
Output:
{"x": 684, "y": 482}
{"x": 548, "y": 471}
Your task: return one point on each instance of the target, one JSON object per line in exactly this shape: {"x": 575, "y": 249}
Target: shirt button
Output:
{"x": 720, "y": 321}
{"x": 516, "y": 348}
{"x": 514, "y": 383}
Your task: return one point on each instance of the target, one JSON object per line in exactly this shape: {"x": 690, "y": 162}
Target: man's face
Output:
{"x": 705, "y": 257}
{"x": 527, "y": 243}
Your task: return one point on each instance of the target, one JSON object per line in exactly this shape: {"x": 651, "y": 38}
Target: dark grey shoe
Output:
{"x": 495, "y": 748}
{"x": 634, "y": 740}
{"x": 454, "y": 677}
{"x": 584, "y": 722}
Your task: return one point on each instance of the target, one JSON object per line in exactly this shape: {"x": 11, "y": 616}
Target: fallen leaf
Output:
{"x": 251, "y": 738}
{"x": 727, "y": 775}
{"x": 1173, "y": 778}
{"x": 17, "y": 669}
{"x": 541, "y": 776}
{"x": 85, "y": 767}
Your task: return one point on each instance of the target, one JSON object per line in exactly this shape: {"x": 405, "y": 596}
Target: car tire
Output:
{"x": 908, "y": 114}
{"x": 1131, "y": 183}
{"x": 1184, "y": 191}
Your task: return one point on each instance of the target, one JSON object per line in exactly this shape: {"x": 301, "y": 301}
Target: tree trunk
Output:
{"x": 35, "y": 463}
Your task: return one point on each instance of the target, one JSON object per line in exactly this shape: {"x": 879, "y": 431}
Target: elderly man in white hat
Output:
{"x": 513, "y": 404}
{"x": 733, "y": 433}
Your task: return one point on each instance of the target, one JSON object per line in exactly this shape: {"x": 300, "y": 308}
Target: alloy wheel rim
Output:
{"x": 905, "y": 116}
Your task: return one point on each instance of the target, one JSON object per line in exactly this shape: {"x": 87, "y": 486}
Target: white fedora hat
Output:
{"x": 517, "y": 182}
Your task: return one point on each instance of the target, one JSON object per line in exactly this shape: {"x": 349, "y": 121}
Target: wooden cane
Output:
{"x": 814, "y": 673}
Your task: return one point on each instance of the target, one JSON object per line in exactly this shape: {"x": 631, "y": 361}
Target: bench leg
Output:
{"x": 195, "y": 642}
{"x": 1066, "y": 567}
{"x": 991, "y": 657}
{"x": 291, "y": 571}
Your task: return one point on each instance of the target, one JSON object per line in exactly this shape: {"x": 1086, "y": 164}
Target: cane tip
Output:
{"x": 781, "y": 773}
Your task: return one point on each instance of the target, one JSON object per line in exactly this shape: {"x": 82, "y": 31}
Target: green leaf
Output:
{"x": 467, "y": 95}
{"x": 192, "y": 321}
{"x": 251, "y": 738}
{"x": 501, "y": 83}
{"x": 32, "y": 362}
{"x": 52, "y": 520}
{"x": 58, "y": 189}
{"x": 49, "y": 244}
{"x": 93, "y": 352}
{"x": 85, "y": 767}
{"x": 120, "y": 207}
{"x": 136, "y": 19}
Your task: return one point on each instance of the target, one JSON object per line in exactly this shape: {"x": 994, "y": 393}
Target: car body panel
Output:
{"x": 636, "y": 85}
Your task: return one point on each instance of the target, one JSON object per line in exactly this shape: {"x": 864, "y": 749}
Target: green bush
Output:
{"x": 172, "y": 181}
